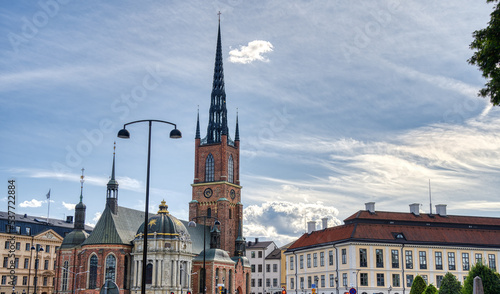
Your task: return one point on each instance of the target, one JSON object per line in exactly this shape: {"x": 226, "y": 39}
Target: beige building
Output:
{"x": 382, "y": 252}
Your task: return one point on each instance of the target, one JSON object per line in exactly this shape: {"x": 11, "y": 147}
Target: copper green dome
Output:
{"x": 164, "y": 225}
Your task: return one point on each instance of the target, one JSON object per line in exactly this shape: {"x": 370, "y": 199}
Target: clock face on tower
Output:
{"x": 232, "y": 194}
{"x": 208, "y": 193}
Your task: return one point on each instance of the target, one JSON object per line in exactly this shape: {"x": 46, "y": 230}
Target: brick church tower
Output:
{"x": 216, "y": 185}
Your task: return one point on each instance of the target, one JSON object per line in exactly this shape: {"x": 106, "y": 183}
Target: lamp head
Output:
{"x": 192, "y": 224}
{"x": 217, "y": 223}
{"x": 175, "y": 134}
{"x": 124, "y": 134}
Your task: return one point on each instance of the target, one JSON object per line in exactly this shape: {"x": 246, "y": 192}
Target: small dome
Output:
{"x": 74, "y": 238}
{"x": 80, "y": 205}
{"x": 164, "y": 225}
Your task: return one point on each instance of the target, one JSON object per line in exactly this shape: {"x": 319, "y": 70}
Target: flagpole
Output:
{"x": 48, "y": 207}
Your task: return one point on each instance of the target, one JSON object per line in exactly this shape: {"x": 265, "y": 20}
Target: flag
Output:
{"x": 48, "y": 195}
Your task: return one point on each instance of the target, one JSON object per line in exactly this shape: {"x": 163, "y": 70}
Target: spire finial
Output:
{"x": 219, "y": 15}
{"x": 82, "y": 180}
{"x": 113, "y": 168}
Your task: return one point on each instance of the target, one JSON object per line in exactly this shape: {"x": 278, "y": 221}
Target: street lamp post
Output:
{"x": 74, "y": 278}
{"x": 37, "y": 248}
{"x": 193, "y": 224}
{"x": 356, "y": 272}
{"x": 390, "y": 289}
{"x": 124, "y": 134}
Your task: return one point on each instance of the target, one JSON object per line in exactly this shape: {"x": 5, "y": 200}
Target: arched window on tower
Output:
{"x": 209, "y": 168}
{"x": 230, "y": 169}
{"x": 149, "y": 273}
{"x": 110, "y": 268}
{"x": 209, "y": 212}
{"x": 93, "y": 272}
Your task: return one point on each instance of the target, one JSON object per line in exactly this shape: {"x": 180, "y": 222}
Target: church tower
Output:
{"x": 216, "y": 185}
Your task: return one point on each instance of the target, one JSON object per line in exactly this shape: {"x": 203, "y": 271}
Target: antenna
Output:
{"x": 430, "y": 197}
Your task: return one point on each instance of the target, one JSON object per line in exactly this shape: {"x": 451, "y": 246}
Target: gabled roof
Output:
{"x": 275, "y": 254}
{"x": 260, "y": 244}
{"x": 119, "y": 228}
{"x": 407, "y": 228}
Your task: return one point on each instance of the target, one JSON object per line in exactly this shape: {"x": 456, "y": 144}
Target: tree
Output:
{"x": 491, "y": 279}
{"x": 430, "y": 289}
{"x": 450, "y": 285}
{"x": 418, "y": 286}
{"x": 487, "y": 56}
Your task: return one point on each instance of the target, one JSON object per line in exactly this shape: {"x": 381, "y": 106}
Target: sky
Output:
{"x": 339, "y": 103}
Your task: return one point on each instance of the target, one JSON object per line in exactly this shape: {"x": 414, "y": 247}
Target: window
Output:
{"x": 451, "y": 261}
{"x": 28, "y": 247}
{"x": 26, "y": 263}
{"x": 275, "y": 282}
{"x": 380, "y": 280}
{"x": 111, "y": 268}
{"x": 426, "y": 280}
{"x": 253, "y": 283}
{"x": 409, "y": 280}
{"x": 363, "y": 279}
{"x": 252, "y": 254}
{"x": 439, "y": 280}
{"x": 409, "y": 259}
{"x": 309, "y": 282}
{"x": 439, "y": 260}
{"x": 332, "y": 280}
{"x": 379, "y": 256}
{"x": 322, "y": 281}
{"x": 5, "y": 262}
{"x": 259, "y": 282}
{"x": 422, "y": 256}
{"x": 275, "y": 268}
{"x": 45, "y": 281}
{"x": 253, "y": 268}
{"x": 491, "y": 261}
{"x": 291, "y": 263}
{"x": 301, "y": 282}
{"x": 302, "y": 261}
{"x": 321, "y": 259}
{"x": 209, "y": 168}
{"x": 4, "y": 280}
{"x": 230, "y": 170}
{"x": 209, "y": 212}
{"x": 64, "y": 285}
{"x": 268, "y": 268}
{"x": 18, "y": 230}
{"x": 259, "y": 253}
{"x": 25, "y": 280}
{"x": 315, "y": 259}
{"x": 16, "y": 262}
{"x": 7, "y": 244}
{"x": 47, "y": 248}
{"x": 330, "y": 257}
{"x": 268, "y": 282}
{"x": 46, "y": 264}
{"x": 93, "y": 272}
{"x": 465, "y": 261}
{"x": 28, "y": 231}
{"x": 362, "y": 257}
{"x": 259, "y": 267}
{"x": 344, "y": 278}
{"x": 479, "y": 258}
{"x": 292, "y": 284}
{"x": 308, "y": 260}
{"x": 18, "y": 245}
{"x": 344, "y": 256}
{"x": 395, "y": 258}
{"x": 395, "y": 280}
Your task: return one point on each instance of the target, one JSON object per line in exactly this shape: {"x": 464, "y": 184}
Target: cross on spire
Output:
{"x": 219, "y": 15}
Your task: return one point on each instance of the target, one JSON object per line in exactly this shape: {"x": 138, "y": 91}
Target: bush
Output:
{"x": 491, "y": 279}
{"x": 450, "y": 285}
{"x": 430, "y": 289}
{"x": 418, "y": 286}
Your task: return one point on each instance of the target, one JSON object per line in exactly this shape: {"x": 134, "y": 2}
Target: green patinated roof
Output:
{"x": 222, "y": 199}
{"x": 117, "y": 228}
{"x": 74, "y": 238}
{"x": 193, "y": 201}
{"x": 215, "y": 254}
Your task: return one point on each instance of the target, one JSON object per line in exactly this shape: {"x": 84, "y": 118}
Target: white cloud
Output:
{"x": 253, "y": 51}
{"x": 95, "y": 219}
{"x": 32, "y": 203}
{"x": 69, "y": 206}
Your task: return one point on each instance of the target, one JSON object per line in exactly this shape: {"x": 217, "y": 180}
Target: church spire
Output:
{"x": 237, "y": 132}
{"x": 112, "y": 191}
{"x": 217, "y": 124}
{"x": 80, "y": 208}
{"x": 198, "y": 125}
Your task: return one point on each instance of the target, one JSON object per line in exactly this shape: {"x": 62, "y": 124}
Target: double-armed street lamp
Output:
{"x": 37, "y": 248}
{"x": 75, "y": 288}
{"x": 124, "y": 134}
{"x": 193, "y": 224}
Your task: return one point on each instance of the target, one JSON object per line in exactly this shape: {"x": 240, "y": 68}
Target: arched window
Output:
{"x": 64, "y": 277}
{"x": 209, "y": 168}
{"x": 230, "y": 282}
{"x": 209, "y": 212}
{"x": 110, "y": 268}
{"x": 93, "y": 272}
{"x": 125, "y": 273}
{"x": 230, "y": 213}
{"x": 230, "y": 168}
{"x": 149, "y": 273}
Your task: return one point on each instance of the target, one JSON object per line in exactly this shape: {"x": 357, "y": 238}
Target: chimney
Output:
{"x": 441, "y": 209}
{"x": 415, "y": 208}
{"x": 325, "y": 222}
{"x": 256, "y": 240}
{"x": 370, "y": 206}
{"x": 69, "y": 219}
{"x": 311, "y": 227}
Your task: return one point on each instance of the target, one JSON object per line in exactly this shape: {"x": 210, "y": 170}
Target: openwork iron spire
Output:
{"x": 217, "y": 124}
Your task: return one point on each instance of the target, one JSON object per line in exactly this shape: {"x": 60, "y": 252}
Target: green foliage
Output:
{"x": 487, "y": 55}
{"x": 430, "y": 289}
{"x": 418, "y": 286}
{"x": 450, "y": 285}
{"x": 491, "y": 279}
